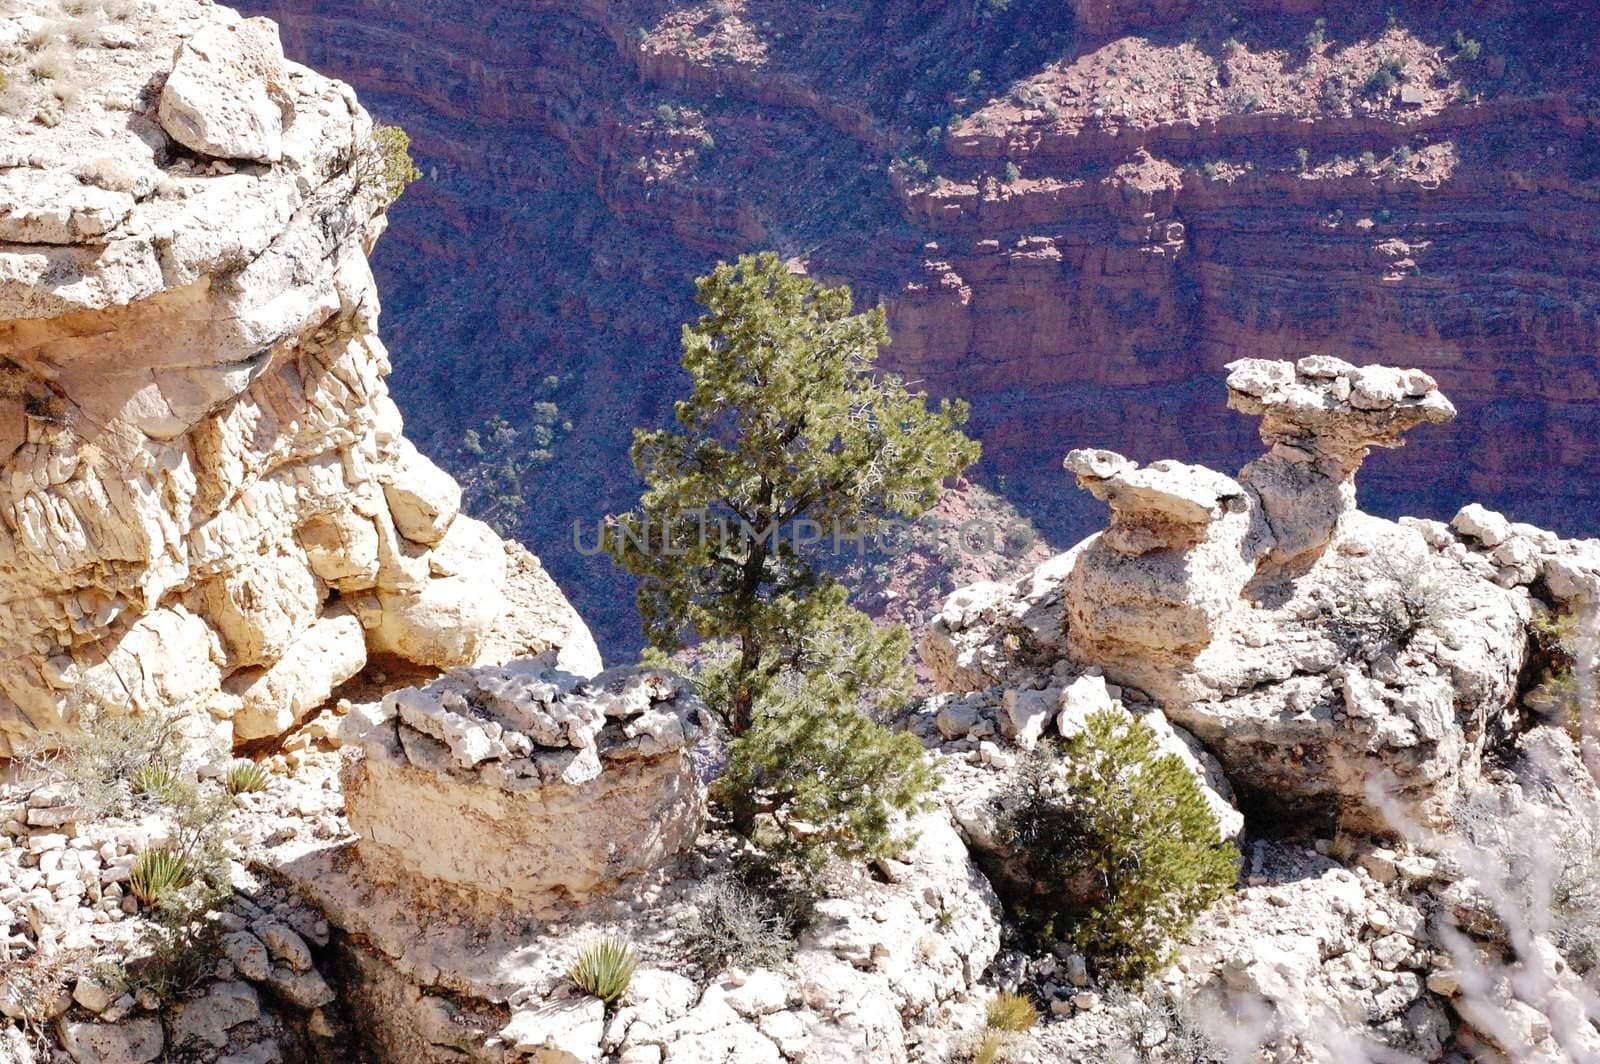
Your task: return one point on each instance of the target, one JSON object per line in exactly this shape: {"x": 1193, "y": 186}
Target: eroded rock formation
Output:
{"x": 206, "y": 502}
{"x": 1340, "y": 663}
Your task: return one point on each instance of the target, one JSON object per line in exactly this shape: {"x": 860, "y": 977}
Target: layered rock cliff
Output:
{"x": 1161, "y": 224}
{"x": 207, "y": 504}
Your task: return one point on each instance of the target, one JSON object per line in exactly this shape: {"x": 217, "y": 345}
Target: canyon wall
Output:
{"x": 585, "y": 161}
{"x": 207, "y": 504}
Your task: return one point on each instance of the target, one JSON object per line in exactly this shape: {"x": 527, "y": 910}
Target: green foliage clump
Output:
{"x": 1318, "y": 35}
{"x": 245, "y": 777}
{"x": 1302, "y": 158}
{"x": 788, "y": 437}
{"x": 1387, "y": 75}
{"x": 1466, "y": 47}
{"x": 152, "y": 781}
{"x": 390, "y": 167}
{"x": 1013, "y": 173}
{"x": 501, "y": 464}
{"x": 159, "y": 874}
{"x": 828, "y": 781}
{"x": 734, "y": 925}
{"x": 604, "y": 968}
{"x": 1126, "y": 832}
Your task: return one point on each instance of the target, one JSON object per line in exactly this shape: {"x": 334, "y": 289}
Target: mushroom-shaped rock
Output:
{"x": 228, "y": 95}
{"x": 1179, "y": 550}
{"x": 1163, "y": 505}
{"x": 1319, "y": 417}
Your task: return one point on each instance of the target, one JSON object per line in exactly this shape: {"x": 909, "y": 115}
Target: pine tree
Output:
{"x": 787, "y": 433}
{"x": 788, "y": 436}
{"x": 1122, "y": 838}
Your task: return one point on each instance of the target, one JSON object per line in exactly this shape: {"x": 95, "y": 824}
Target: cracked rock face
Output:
{"x": 206, "y": 502}
{"x": 534, "y": 759}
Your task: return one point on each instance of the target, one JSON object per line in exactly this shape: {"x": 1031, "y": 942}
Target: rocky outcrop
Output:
{"x": 206, "y": 502}
{"x": 1336, "y": 662}
{"x": 533, "y": 759}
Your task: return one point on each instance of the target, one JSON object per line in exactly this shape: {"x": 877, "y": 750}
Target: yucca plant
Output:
{"x": 1010, "y": 1012}
{"x": 154, "y": 780}
{"x": 160, "y": 873}
{"x": 604, "y": 968}
{"x": 246, "y": 777}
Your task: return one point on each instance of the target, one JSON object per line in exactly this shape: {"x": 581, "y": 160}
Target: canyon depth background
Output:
{"x": 1077, "y": 213}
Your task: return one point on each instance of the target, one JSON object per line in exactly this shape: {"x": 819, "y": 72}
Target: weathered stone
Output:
{"x": 229, "y": 94}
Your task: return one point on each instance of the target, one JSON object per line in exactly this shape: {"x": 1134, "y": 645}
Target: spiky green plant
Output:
{"x": 154, "y": 780}
{"x": 246, "y": 777}
{"x": 604, "y": 968}
{"x": 159, "y": 874}
{"x": 1010, "y": 1012}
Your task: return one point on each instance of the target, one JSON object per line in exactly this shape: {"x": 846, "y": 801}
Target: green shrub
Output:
{"x": 1302, "y": 158}
{"x": 1013, "y": 172}
{"x": 1369, "y": 160}
{"x": 814, "y": 782}
{"x": 1123, "y": 840}
{"x": 100, "y": 760}
{"x": 733, "y": 925}
{"x": 1466, "y": 47}
{"x": 604, "y": 968}
{"x": 159, "y": 874}
{"x": 975, "y": 78}
{"x": 246, "y": 777}
{"x": 1318, "y": 35}
{"x": 667, "y": 115}
{"x": 1010, "y": 1012}
{"x": 1385, "y": 77}
{"x": 390, "y": 166}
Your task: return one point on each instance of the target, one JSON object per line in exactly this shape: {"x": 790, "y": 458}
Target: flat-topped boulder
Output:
{"x": 524, "y": 783}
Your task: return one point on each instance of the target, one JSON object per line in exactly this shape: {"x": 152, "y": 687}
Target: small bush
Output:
{"x": 159, "y": 874}
{"x": 733, "y": 925}
{"x": 975, "y": 78}
{"x": 1369, "y": 159}
{"x": 604, "y": 968}
{"x": 667, "y": 114}
{"x": 1318, "y": 35}
{"x": 1302, "y": 158}
{"x": 1123, "y": 842}
{"x": 101, "y": 760}
{"x": 828, "y": 781}
{"x": 391, "y": 168}
{"x": 1466, "y": 47}
{"x": 1013, "y": 172}
{"x": 1010, "y": 1012}
{"x": 246, "y": 777}
{"x": 1387, "y": 75}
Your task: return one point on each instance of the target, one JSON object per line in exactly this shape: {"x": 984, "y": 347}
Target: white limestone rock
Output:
{"x": 228, "y": 96}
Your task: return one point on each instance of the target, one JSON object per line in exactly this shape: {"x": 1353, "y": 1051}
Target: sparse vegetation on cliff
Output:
{"x": 391, "y": 168}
